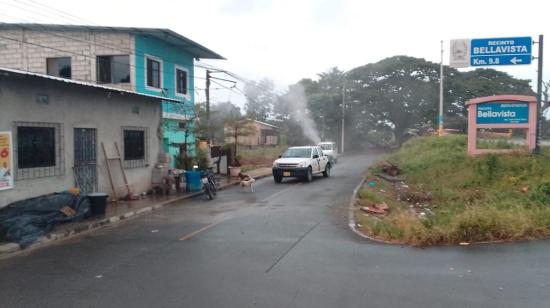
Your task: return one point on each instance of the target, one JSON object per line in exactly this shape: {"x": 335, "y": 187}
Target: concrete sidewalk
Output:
{"x": 116, "y": 213}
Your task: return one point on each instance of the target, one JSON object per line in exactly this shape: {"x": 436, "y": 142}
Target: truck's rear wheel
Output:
{"x": 326, "y": 173}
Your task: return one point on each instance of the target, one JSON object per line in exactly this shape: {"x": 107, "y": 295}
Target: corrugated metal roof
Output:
{"x": 263, "y": 123}
{"x": 8, "y": 71}
{"x": 167, "y": 35}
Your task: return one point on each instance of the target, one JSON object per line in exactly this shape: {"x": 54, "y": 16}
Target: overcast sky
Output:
{"x": 286, "y": 40}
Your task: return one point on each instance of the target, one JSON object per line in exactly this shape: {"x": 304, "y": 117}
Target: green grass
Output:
{"x": 260, "y": 156}
{"x": 498, "y": 144}
{"x": 483, "y": 198}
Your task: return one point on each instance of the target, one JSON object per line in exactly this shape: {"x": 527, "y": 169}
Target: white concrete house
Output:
{"x": 58, "y": 125}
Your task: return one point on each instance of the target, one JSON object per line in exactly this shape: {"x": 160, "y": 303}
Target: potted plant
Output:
{"x": 201, "y": 159}
{"x": 235, "y": 167}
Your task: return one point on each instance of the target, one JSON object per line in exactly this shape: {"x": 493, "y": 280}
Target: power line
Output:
{"x": 96, "y": 42}
{"x": 232, "y": 89}
{"x": 64, "y": 15}
{"x": 112, "y": 47}
{"x": 57, "y": 12}
{"x": 60, "y": 12}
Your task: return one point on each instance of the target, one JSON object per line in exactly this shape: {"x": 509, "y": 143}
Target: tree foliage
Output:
{"x": 237, "y": 126}
{"x": 384, "y": 101}
{"x": 260, "y": 98}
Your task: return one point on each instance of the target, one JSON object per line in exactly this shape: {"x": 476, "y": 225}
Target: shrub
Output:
{"x": 541, "y": 193}
{"x": 201, "y": 160}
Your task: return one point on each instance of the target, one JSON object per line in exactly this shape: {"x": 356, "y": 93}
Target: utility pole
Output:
{"x": 343, "y": 114}
{"x": 539, "y": 95}
{"x": 207, "y": 92}
{"x": 440, "y": 118}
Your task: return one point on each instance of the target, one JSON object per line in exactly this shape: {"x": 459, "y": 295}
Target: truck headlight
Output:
{"x": 275, "y": 165}
{"x": 302, "y": 164}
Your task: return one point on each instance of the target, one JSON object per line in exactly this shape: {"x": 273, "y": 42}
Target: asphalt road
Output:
{"x": 285, "y": 245}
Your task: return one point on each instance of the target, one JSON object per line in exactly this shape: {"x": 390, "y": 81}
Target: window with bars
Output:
{"x": 40, "y": 150}
{"x": 135, "y": 146}
{"x": 35, "y": 147}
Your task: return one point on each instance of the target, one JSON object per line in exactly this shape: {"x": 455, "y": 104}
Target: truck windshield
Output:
{"x": 326, "y": 147}
{"x": 297, "y": 152}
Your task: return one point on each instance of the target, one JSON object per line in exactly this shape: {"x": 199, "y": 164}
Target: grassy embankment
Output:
{"x": 258, "y": 157}
{"x": 449, "y": 198}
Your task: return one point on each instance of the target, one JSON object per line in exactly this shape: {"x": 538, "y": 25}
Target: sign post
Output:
{"x": 539, "y": 94}
{"x": 6, "y": 161}
{"x": 501, "y": 51}
{"x": 491, "y": 51}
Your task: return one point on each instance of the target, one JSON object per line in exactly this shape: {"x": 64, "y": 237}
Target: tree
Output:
{"x": 396, "y": 93}
{"x": 311, "y": 109}
{"x": 260, "y": 98}
{"x": 237, "y": 126}
{"x": 461, "y": 87}
{"x": 324, "y": 100}
{"x": 219, "y": 113}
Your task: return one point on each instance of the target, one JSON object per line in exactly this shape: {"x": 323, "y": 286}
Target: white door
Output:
{"x": 323, "y": 159}
{"x": 317, "y": 161}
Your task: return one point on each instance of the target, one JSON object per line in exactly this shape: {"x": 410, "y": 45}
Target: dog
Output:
{"x": 247, "y": 181}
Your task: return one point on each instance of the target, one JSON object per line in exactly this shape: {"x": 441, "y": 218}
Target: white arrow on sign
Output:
{"x": 515, "y": 60}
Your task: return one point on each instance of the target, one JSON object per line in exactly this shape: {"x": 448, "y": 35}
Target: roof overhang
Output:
{"x": 177, "y": 40}
{"x": 19, "y": 73}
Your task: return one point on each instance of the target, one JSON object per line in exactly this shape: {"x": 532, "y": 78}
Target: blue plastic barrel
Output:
{"x": 193, "y": 179}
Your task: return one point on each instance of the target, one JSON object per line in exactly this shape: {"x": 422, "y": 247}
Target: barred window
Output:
{"x": 35, "y": 147}
{"x": 135, "y": 146}
{"x": 39, "y": 150}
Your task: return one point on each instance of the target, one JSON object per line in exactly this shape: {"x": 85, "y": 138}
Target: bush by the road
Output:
{"x": 462, "y": 198}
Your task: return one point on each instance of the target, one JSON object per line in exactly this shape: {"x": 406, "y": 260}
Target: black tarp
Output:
{"x": 25, "y": 221}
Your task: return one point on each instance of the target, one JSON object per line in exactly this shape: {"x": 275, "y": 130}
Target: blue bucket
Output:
{"x": 193, "y": 179}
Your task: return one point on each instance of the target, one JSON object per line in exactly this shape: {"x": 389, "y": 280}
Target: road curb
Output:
{"x": 352, "y": 225}
{"x": 13, "y": 249}
{"x": 351, "y": 217}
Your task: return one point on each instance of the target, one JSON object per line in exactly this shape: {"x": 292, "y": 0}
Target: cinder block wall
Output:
{"x": 27, "y": 50}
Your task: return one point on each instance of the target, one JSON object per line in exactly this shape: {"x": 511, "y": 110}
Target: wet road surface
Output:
{"x": 285, "y": 245}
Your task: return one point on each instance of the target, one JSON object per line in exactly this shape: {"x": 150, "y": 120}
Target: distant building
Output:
{"x": 264, "y": 134}
{"x": 58, "y": 125}
{"x": 144, "y": 60}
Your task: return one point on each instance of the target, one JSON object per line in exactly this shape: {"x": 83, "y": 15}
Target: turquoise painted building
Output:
{"x": 168, "y": 70}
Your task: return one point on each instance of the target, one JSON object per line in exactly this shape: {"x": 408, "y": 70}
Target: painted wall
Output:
{"x": 77, "y": 106}
{"x": 170, "y": 57}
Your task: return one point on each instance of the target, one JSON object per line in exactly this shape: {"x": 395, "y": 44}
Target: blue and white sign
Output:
{"x": 502, "y": 113}
{"x": 501, "y": 51}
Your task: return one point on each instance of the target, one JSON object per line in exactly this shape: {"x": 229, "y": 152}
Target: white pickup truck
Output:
{"x": 330, "y": 149}
{"x": 301, "y": 162}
